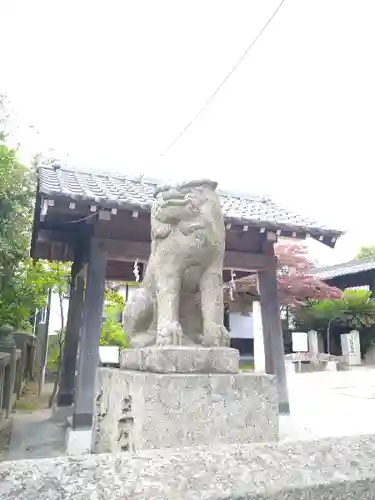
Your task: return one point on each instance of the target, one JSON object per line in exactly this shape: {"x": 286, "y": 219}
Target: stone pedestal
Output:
{"x": 8, "y": 345}
{"x": 184, "y": 359}
{"x": 351, "y": 348}
{"x": 313, "y": 344}
{"x": 138, "y": 410}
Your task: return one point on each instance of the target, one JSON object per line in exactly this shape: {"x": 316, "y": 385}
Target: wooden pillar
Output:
{"x": 372, "y": 284}
{"x": 69, "y": 359}
{"x": 272, "y": 333}
{"x": 88, "y": 358}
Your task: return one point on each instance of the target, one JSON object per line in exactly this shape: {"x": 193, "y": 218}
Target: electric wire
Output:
{"x": 210, "y": 99}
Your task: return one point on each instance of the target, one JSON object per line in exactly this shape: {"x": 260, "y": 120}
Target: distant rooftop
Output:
{"x": 114, "y": 190}
{"x": 344, "y": 269}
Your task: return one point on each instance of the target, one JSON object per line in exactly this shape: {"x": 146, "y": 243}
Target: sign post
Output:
{"x": 300, "y": 345}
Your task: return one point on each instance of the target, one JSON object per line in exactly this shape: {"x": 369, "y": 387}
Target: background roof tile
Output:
{"x": 344, "y": 269}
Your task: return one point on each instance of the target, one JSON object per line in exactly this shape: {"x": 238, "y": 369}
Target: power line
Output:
{"x": 190, "y": 123}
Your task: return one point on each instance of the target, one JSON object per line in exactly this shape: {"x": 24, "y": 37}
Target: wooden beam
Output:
{"x": 239, "y": 274}
{"x": 244, "y": 261}
{"x": 132, "y": 250}
{"x": 58, "y": 236}
{"x": 122, "y": 271}
{"x": 129, "y": 251}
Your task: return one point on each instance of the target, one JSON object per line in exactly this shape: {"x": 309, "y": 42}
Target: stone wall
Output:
{"x": 342, "y": 469}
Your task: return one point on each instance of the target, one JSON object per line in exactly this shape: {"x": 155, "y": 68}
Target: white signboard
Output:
{"x": 300, "y": 342}
{"x": 241, "y": 326}
{"x": 109, "y": 355}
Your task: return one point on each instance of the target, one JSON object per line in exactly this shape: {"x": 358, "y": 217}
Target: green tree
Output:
{"x": 24, "y": 292}
{"x": 355, "y": 310}
{"x": 23, "y": 283}
{"x": 17, "y": 192}
{"x": 366, "y": 252}
{"x": 112, "y": 331}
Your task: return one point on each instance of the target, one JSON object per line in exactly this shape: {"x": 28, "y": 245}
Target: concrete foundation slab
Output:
{"x": 328, "y": 469}
{"x": 141, "y": 410}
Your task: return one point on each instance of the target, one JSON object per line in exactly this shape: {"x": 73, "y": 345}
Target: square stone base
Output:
{"x": 181, "y": 359}
{"x": 78, "y": 442}
{"x": 141, "y": 410}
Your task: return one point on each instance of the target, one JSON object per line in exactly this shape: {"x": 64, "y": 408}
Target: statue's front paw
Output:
{"x": 215, "y": 336}
{"x": 170, "y": 334}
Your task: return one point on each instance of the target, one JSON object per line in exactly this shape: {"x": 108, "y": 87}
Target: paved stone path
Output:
{"x": 330, "y": 404}
{"x": 35, "y": 435}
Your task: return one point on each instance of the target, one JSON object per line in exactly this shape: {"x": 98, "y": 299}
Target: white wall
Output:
{"x": 55, "y": 314}
{"x": 241, "y": 326}
{"x": 121, "y": 289}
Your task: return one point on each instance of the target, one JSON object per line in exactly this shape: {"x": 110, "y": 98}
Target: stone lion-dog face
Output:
{"x": 188, "y": 206}
{"x": 187, "y": 251}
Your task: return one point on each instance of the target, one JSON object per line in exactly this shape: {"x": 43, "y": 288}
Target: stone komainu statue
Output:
{"x": 181, "y": 301}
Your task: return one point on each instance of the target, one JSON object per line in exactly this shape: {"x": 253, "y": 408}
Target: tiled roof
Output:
{"x": 344, "y": 269}
{"x": 117, "y": 190}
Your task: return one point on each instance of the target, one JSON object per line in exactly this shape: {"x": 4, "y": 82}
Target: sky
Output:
{"x": 110, "y": 84}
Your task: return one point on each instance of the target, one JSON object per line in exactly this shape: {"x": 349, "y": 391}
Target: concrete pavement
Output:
{"x": 330, "y": 404}
{"x": 323, "y": 404}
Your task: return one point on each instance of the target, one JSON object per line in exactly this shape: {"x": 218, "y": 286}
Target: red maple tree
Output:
{"x": 295, "y": 285}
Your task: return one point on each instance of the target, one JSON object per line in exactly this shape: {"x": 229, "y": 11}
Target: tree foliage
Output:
{"x": 296, "y": 286}
{"x": 26, "y": 290}
{"x": 17, "y": 191}
{"x": 366, "y": 252}
{"x": 112, "y": 331}
{"x": 16, "y": 200}
{"x": 23, "y": 283}
{"x": 355, "y": 310}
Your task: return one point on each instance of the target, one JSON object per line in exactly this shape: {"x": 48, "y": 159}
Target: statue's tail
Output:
{"x": 138, "y": 313}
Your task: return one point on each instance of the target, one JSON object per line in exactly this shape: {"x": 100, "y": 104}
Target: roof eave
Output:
{"x": 326, "y": 236}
